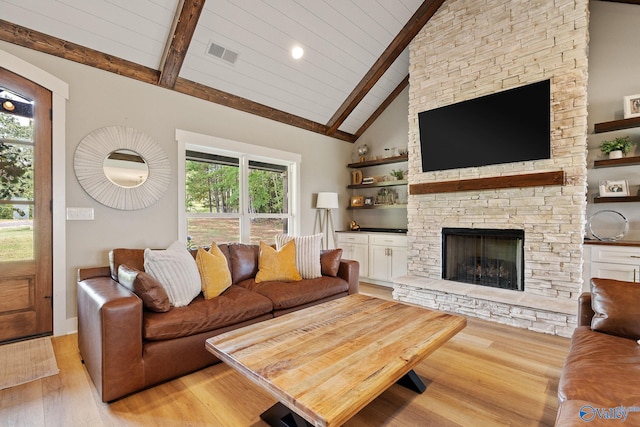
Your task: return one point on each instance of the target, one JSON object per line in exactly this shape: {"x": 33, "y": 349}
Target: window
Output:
{"x": 235, "y": 196}
{"x": 16, "y": 177}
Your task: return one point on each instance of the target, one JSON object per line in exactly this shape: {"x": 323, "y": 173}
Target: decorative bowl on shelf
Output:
{"x": 608, "y": 225}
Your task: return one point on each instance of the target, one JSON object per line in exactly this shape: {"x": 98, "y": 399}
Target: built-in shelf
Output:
{"x": 379, "y": 184}
{"x": 376, "y": 162}
{"x": 609, "y": 163}
{"x": 378, "y": 207}
{"x": 624, "y": 199}
{"x": 616, "y": 125}
{"x": 612, "y": 243}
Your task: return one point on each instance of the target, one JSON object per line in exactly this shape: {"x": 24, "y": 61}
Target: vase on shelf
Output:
{"x": 616, "y": 154}
{"x": 363, "y": 150}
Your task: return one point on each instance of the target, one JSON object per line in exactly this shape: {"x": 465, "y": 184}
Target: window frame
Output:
{"x": 190, "y": 141}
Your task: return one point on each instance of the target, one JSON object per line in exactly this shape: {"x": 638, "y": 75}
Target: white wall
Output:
{"x": 98, "y": 98}
{"x": 391, "y": 129}
{"x": 614, "y": 66}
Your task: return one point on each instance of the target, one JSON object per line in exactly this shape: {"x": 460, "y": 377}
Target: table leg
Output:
{"x": 281, "y": 416}
{"x": 413, "y": 382}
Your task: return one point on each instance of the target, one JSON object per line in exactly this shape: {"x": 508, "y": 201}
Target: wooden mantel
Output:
{"x": 491, "y": 183}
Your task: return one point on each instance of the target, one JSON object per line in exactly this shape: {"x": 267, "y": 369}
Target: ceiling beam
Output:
{"x": 184, "y": 25}
{"x": 419, "y": 19}
{"x": 41, "y": 42}
{"x": 393, "y": 95}
{"x": 207, "y": 93}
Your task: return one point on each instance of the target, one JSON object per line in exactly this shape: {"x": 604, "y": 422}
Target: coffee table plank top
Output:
{"x": 328, "y": 361}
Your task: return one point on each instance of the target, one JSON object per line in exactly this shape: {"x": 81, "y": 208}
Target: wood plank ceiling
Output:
{"x": 356, "y": 51}
{"x": 355, "y": 63}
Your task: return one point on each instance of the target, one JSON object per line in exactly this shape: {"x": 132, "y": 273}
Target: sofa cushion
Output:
{"x": 330, "y": 262}
{"x": 176, "y": 269}
{"x": 148, "y": 289}
{"x": 132, "y": 258}
{"x": 244, "y": 261}
{"x": 292, "y": 294}
{"x": 307, "y": 253}
{"x": 601, "y": 368}
{"x": 235, "y": 305}
{"x": 617, "y": 307}
{"x": 214, "y": 271}
{"x": 278, "y": 265}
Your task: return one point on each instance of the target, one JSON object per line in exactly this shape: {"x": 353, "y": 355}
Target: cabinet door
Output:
{"x": 380, "y": 262}
{"x": 616, "y": 255}
{"x": 398, "y": 262}
{"x": 355, "y": 246}
{"x": 624, "y": 272}
{"x": 360, "y": 253}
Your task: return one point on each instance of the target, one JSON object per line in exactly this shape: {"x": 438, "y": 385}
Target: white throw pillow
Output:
{"x": 307, "y": 253}
{"x": 176, "y": 270}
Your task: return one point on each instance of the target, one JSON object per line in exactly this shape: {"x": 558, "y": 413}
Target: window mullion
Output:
{"x": 245, "y": 220}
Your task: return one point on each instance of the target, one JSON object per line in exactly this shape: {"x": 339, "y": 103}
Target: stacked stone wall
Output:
{"x": 474, "y": 48}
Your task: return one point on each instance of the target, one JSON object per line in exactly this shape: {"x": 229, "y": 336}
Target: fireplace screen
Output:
{"x": 484, "y": 257}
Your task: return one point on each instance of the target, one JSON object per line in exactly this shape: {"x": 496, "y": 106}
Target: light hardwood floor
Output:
{"x": 487, "y": 375}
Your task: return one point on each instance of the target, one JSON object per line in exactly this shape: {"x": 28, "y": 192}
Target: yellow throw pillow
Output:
{"x": 277, "y": 265}
{"x": 214, "y": 271}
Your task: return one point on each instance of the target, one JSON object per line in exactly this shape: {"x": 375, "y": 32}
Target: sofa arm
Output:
{"x": 349, "y": 270}
{"x": 110, "y": 334}
{"x": 88, "y": 273}
{"x": 585, "y": 312}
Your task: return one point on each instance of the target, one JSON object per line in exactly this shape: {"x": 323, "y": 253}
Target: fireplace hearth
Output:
{"x": 485, "y": 257}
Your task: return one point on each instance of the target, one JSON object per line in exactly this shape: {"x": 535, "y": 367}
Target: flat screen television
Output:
{"x": 509, "y": 126}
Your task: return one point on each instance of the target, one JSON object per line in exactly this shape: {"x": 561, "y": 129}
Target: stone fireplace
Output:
{"x": 470, "y": 49}
{"x": 484, "y": 257}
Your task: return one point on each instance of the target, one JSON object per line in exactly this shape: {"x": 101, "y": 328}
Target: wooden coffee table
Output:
{"x": 326, "y": 362}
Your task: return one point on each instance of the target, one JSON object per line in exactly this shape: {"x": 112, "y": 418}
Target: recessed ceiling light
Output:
{"x": 297, "y": 52}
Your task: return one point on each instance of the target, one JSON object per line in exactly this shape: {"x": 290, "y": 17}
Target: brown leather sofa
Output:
{"x": 127, "y": 348}
{"x": 601, "y": 374}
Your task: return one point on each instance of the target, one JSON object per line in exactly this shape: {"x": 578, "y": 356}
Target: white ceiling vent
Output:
{"x": 222, "y": 53}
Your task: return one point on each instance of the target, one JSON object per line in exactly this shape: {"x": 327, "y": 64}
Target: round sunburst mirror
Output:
{"x": 122, "y": 168}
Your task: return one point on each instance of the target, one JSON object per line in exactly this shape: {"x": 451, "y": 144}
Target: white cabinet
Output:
{"x": 387, "y": 256}
{"x": 382, "y": 256}
{"x": 355, "y": 246}
{"x": 624, "y": 272}
{"x": 611, "y": 262}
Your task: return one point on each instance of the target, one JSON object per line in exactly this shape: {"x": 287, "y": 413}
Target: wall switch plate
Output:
{"x": 79, "y": 214}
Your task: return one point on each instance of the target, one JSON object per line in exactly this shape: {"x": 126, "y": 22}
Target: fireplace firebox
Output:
{"x": 486, "y": 257}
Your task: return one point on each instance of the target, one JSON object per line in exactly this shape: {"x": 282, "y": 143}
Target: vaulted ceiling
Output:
{"x": 238, "y": 53}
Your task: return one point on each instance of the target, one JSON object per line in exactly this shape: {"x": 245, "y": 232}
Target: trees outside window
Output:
{"x": 16, "y": 157}
{"x": 235, "y": 199}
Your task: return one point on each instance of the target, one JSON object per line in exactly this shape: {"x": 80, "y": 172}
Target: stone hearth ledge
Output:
{"x": 557, "y": 316}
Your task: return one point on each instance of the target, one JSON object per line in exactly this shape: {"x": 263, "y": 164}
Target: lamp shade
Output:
{"x": 327, "y": 201}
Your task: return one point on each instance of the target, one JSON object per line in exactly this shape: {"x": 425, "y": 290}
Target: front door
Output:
{"x": 26, "y": 306}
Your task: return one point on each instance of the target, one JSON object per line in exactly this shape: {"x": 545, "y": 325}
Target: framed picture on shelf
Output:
{"x": 368, "y": 201}
{"x": 619, "y": 188}
{"x": 631, "y": 106}
{"x": 357, "y": 201}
